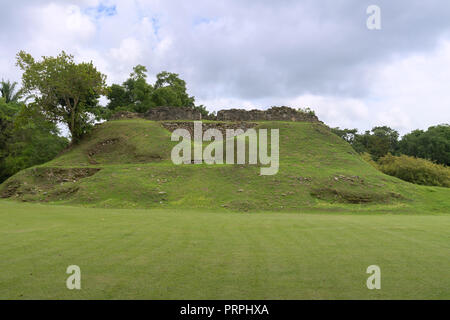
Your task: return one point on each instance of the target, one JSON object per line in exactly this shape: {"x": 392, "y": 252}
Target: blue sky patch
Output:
{"x": 102, "y": 10}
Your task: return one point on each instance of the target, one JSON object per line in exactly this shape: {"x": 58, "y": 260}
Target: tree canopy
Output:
{"x": 378, "y": 142}
{"x": 63, "y": 90}
{"x": 136, "y": 95}
{"x": 432, "y": 144}
{"x": 26, "y": 138}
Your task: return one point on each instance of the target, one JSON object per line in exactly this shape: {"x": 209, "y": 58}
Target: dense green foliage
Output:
{"x": 432, "y": 144}
{"x": 63, "y": 90}
{"x": 378, "y": 142}
{"x": 415, "y": 170}
{"x": 26, "y": 138}
{"x": 382, "y": 148}
{"x": 7, "y": 112}
{"x": 136, "y": 95}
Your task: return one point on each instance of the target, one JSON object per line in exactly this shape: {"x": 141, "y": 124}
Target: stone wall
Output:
{"x": 221, "y": 126}
{"x": 160, "y": 113}
{"x": 172, "y": 113}
{"x": 122, "y": 115}
{"x": 272, "y": 114}
{"x": 234, "y": 115}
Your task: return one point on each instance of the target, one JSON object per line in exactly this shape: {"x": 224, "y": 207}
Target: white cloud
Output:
{"x": 129, "y": 51}
{"x": 228, "y": 103}
{"x": 414, "y": 91}
{"x": 407, "y": 93}
{"x": 59, "y": 26}
{"x": 333, "y": 110}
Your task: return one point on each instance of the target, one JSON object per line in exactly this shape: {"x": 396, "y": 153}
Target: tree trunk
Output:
{"x": 71, "y": 124}
{"x": 72, "y": 128}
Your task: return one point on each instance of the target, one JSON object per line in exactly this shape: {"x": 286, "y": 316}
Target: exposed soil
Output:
{"x": 45, "y": 180}
{"x": 354, "y": 197}
{"x": 59, "y": 175}
{"x": 338, "y": 190}
{"x": 10, "y": 188}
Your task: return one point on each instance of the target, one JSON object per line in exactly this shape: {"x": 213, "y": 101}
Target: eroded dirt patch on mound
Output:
{"x": 43, "y": 183}
{"x": 354, "y": 190}
{"x": 9, "y": 189}
{"x": 59, "y": 175}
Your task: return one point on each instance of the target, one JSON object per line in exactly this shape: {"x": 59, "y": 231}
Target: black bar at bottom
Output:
{"x": 224, "y": 309}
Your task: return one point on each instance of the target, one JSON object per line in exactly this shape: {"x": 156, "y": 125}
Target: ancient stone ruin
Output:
{"x": 172, "y": 113}
{"x": 221, "y": 126}
{"x": 234, "y": 115}
{"x": 272, "y": 114}
{"x": 161, "y": 113}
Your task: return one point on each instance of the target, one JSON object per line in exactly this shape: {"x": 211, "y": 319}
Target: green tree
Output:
{"x": 381, "y": 141}
{"x": 348, "y": 135}
{"x": 26, "y": 138}
{"x": 433, "y": 144}
{"x": 388, "y": 134}
{"x": 136, "y": 95}
{"x": 170, "y": 90}
{"x": 7, "y": 112}
{"x": 166, "y": 97}
{"x": 202, "y": 109}
{"x": 118, "y": 97}
{"x": 377, "y": 142}
{"x": 63, "y": 90}
{"x": 139, "y": 72}
{"x": 8, "y": 91}
{"x": 138, "y": 90}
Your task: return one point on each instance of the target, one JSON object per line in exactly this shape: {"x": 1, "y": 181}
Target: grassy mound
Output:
{"x": 129, "y": 166}
{"x": 119, "y": 142}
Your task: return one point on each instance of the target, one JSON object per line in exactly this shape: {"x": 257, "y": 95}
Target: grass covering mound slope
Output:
{"x": 126, "y": 164}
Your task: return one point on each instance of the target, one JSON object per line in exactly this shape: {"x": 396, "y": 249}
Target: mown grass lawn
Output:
{"x": 181, "y": 254}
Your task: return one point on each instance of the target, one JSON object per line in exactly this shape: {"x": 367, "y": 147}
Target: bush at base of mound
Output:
{"x": 415, "y": 170}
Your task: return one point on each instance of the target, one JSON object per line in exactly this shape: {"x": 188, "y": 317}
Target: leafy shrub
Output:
{"x": 415, "y": 170}
{"x": 368, "y": 158}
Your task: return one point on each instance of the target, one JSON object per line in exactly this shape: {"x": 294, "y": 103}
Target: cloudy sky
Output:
{"x": 255, "y": 54}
